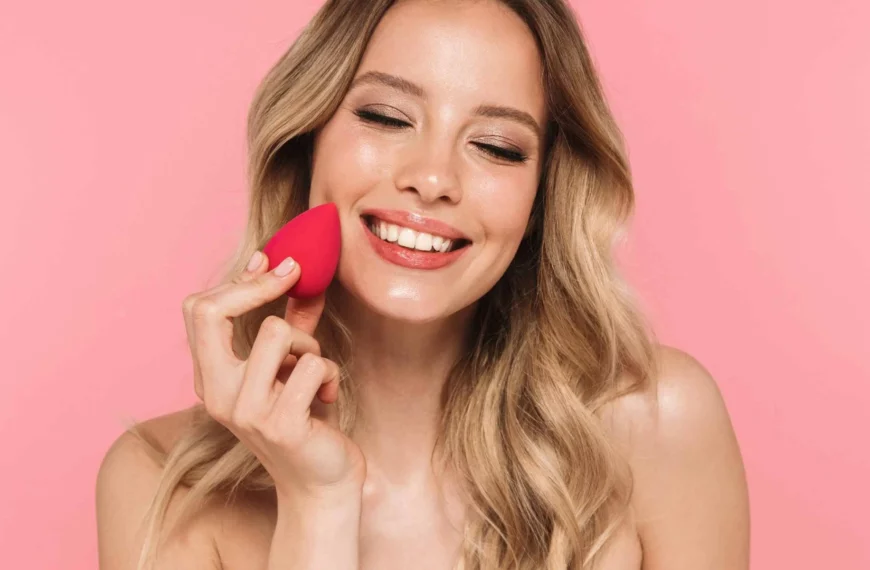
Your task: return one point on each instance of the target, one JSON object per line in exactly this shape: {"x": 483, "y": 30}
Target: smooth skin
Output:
{"x": 439, "y": 158}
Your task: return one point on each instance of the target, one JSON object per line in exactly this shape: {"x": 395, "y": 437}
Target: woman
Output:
{"x": 477, "y": 388}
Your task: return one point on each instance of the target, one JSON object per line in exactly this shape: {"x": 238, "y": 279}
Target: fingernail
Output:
{"x": 255, "y": 261}
{"x": 285, "y": 267}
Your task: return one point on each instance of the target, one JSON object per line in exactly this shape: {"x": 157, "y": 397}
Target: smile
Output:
{"x": 412, "y": 248}
{"x": 412, "y": 239}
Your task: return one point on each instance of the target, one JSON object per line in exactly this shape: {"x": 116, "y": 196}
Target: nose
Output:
{"x": 428, "y": 170}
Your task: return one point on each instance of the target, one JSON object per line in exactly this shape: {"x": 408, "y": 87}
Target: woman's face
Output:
{"x": 440, "y": 137}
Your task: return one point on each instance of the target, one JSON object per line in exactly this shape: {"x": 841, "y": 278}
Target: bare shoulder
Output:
{"x": 690, "y": 496}
{"x": 161, "y": 432}
{"x": 680, "y": 400}
{"x": 127, "y": 480}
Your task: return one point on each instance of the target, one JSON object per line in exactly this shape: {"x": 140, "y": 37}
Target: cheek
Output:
{"x": 365, "y": 156}
{"x": 346, "y": 163}
{"x": 504, "y": 205}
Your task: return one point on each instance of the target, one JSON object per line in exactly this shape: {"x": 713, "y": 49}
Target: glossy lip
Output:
{"x": 411, "y": 258}
{"x": 416, "y": 222}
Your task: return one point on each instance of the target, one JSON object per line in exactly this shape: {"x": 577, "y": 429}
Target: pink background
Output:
{"x": 122, "y": 136}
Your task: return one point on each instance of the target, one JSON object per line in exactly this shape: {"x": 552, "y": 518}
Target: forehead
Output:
{"x": 464, "y": 51}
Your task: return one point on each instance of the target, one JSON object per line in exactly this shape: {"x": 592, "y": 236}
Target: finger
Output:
{"x": 256, "y": 265}
{"x": 190, "y": 329}
{"x": 324, "y": 405}
{"x": 291, "y": 409}
{"x": 240, "y": 297}
{"x": 212, "y": 314}
{"x": 275, "y": 340}
{"x": 187, "y": 311}
{"x": 304, "y": 314}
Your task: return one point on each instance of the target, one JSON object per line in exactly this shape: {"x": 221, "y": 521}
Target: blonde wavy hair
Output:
{"x": 556, "y": 338}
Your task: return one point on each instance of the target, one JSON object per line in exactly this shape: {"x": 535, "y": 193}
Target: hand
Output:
{"x": 296, "y": 438}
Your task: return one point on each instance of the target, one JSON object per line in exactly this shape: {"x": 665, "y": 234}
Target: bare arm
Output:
{"x": 690, "y": 495}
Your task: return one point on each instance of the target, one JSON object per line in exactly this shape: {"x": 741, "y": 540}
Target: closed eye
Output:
{"x": 503, "y": 153}
{"x": 507, "y": 154}
{"x": 370, "y": 117}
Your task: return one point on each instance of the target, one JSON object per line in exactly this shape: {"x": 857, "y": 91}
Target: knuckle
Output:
{"x": 188, "y": 303}
{"x": 333, "y": 368}
{"x": 205, "y": 309}
{"x": 312, "y": 364}
{"x": 275, "y": 326}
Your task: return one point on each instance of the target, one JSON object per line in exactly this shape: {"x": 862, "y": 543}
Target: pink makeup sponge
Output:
{"x": 313, "y": 239}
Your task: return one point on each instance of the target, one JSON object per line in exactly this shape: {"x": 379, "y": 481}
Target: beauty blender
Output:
{"x": 313, "y": 239}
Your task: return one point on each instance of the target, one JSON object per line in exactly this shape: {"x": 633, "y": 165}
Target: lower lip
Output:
{"x": 411, "y": 258}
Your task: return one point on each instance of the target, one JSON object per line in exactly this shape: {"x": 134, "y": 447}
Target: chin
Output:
{"x": 404, "y": 300}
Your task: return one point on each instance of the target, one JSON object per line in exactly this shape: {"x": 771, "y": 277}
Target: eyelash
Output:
{"x": 496, "y": 151}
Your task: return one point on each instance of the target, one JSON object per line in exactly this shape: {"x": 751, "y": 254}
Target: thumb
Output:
{"x": 304, "y": 314}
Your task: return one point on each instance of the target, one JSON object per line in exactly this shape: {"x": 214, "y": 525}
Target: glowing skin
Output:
{"x": 435, "y": 165}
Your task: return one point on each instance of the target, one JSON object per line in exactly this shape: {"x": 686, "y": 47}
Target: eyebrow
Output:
{"x": 405, "y": 86}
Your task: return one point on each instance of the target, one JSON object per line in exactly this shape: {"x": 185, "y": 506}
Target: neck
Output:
{"x": 399, "y": 369}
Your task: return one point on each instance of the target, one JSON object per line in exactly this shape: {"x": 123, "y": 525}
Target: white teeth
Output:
{"x": 392, "y": 232}
{"x": 409, "y": 238}
{"x": 424, "y": 242}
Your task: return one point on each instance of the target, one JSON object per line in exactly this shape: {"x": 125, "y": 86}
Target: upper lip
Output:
{"x": 417, "y": 222}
